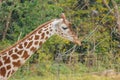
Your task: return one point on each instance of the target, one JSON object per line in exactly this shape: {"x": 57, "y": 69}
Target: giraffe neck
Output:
{"x": 15, "y": 56}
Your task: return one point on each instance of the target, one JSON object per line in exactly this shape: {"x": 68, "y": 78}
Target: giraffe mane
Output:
{"x": 39, "y": 27}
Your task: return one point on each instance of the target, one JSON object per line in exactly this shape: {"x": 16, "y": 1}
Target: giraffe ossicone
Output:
{"x": 16, "y": 55}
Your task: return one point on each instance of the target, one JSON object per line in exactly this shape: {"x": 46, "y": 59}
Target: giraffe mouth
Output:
{"x": 77, "y": 42}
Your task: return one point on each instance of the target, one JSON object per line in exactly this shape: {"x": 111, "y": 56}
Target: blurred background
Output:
{"x": 95, "y": 21}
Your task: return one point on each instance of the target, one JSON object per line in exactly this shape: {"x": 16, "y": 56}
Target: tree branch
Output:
{"x": 105, "y": 3}
{"x": 116, "y": 14}
{"x": 7, "y": 25}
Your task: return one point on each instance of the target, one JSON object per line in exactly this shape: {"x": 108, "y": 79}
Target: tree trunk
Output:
{"x": 116, "y": 14}
{"x": 6, "y": 26}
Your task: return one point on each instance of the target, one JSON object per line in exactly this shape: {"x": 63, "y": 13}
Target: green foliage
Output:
{"x": 92, "y": 21}
{"x": 26, "y": 16}
{"x": 54, "y": 69}
{"x": 4, "y": 44}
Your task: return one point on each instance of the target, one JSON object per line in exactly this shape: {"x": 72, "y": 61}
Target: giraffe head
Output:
{"x": 63, "y": 28}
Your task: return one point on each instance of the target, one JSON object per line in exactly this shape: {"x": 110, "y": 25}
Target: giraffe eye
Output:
{"x": 64, "y": 28}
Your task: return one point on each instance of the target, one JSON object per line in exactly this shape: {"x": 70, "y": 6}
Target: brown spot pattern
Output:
{"x": 17, "y": 64}
{"x": 40, "y": 31}
{"x": 8, "y": 73}
{"x": 46, "y": 29}
{"x": 8, "y": 67}
{"x": 36, "y": 37}
{"x": 3, "y": 71}
{"x": 25, "y": 55}
{"x": 30, "y": 38}
{"x": 14, "y": 56}
{"x": 40, "y": 43}
{"x": 20, "y": 46}
{"x": 43, "y": 35}
{"x": 33, "y": 49}
{"x": 0, "y": 63}
{"x": 10, "y": 52}
{"x": 6, "y": 60}
{"x": 30, "y": 44}
{"x": 47, "y": 32}
{"x": 36, "y": 42}
{"x": 25, "y": 44}
{"x": 12, "y": 71}
{"x": 16, "y": 50}
{"x": 46, "y": 38}
{"x": 20, "y": 52}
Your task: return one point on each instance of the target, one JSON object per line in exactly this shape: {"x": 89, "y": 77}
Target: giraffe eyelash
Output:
{"x": 64, "y": 28}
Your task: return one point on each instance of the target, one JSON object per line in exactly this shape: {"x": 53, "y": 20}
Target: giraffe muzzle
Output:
{"x": 78, "y": 42}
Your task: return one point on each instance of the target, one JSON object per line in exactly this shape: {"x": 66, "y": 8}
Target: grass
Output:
{"x": 55, "y": 71}
{"x": 68, "y": 77}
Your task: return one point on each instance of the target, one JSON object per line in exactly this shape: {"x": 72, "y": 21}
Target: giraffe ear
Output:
{"x": 63, "y": 16}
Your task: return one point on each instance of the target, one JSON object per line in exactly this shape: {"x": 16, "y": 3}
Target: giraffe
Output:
{"x": 15, "y": 56}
